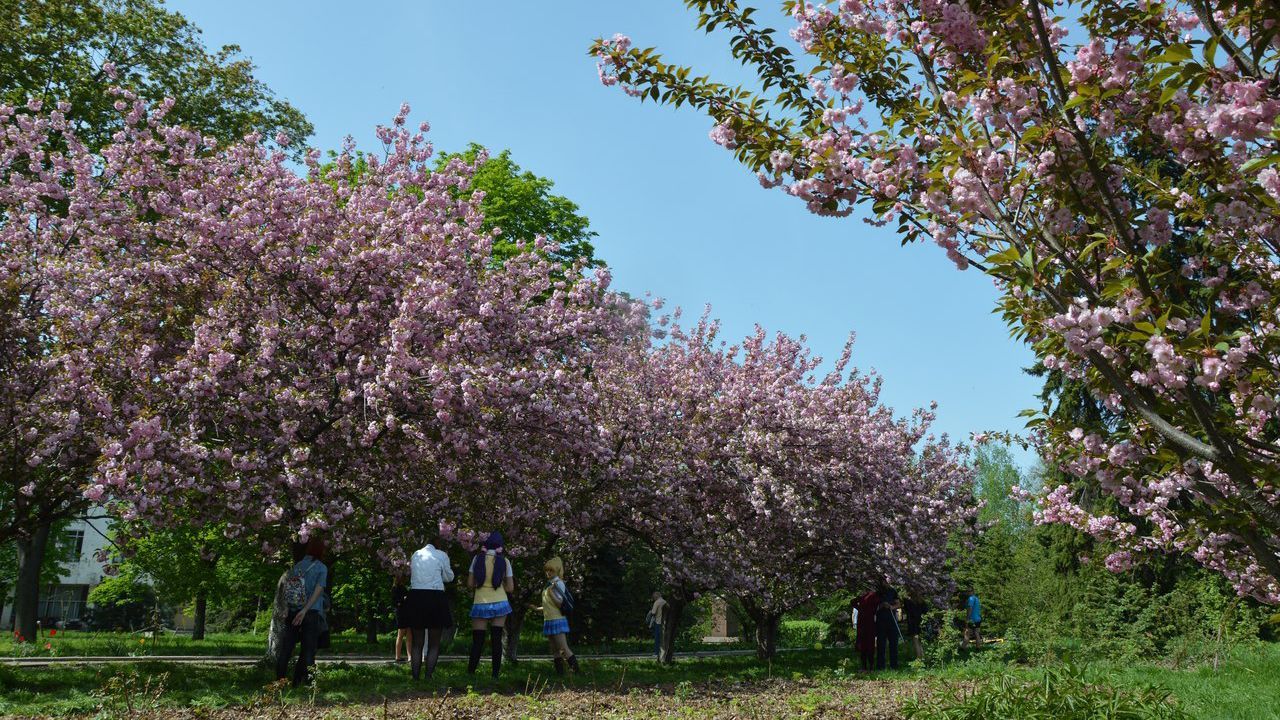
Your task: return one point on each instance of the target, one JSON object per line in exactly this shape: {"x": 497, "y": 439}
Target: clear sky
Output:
{"x": 677, "y": 216}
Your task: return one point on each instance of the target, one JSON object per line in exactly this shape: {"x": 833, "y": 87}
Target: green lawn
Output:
{"x": 68, "y": 643}
{"x": 1245, "y": 686}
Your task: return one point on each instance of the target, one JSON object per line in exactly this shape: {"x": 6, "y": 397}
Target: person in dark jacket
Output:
{"x": 866, "y": 630}
{"x": 887, "y": 633}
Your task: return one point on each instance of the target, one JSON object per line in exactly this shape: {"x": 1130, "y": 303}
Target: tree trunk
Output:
{"x": 767, "y": 635}
{"x": 511, "y": 638}
{"x": 26, "y": 591}
{"x": 201, "y": 613}
{"x": 371, "y": 629}
{"x": 671, "y": 628}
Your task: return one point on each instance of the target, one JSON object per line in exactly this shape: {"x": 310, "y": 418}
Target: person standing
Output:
{"x": 866, "y": 629}
{"x": 656, "y": 620}
{"x": 555, "y": 626}
{"x": 427, "y": 606}
{"x": 404, "y": 634}
{"x": 303, "y": 594}
{"x": 887, "y": 633}
{"x": 914, "y": 608}
{"x": 973, "y": 617}
{"x": 491, "y": 580}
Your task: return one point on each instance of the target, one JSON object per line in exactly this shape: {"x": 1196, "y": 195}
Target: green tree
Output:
{"x": 199, "y": 567}
{"x": 123, "y": 600}
{"x": 516, "y": 202}
{"x": 62, "y": 50}
{"x": 522, "y": 205}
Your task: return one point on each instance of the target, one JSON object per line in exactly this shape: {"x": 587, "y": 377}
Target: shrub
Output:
{"x": 1062, "y": 694}
{"x": 803, "y": 633}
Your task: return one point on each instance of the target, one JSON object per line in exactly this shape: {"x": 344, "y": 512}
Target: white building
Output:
{"x": 65, "y": 597}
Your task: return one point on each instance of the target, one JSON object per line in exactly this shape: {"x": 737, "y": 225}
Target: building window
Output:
{"x": 63, "y": 602}
{"x": 76, "y": 539}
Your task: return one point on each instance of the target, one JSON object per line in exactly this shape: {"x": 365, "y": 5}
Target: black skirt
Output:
{"x": 403, "y": 619}
{"x": 425, "y": 609}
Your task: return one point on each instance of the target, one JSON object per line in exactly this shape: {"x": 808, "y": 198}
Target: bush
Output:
{"x": 122, "y": 602}
{"x": 803, "y": 633}
{"x": 1060, "y": 694}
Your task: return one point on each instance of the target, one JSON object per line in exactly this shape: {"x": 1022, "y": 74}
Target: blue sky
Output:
{"x": 677, "y": 216}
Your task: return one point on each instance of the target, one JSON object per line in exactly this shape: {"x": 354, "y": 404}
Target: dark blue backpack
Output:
{"x": 566, "y": 601}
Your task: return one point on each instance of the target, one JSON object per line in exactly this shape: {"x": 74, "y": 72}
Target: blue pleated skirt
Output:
{"x": 488, "y": 611}
{"x": 559, "y": 626}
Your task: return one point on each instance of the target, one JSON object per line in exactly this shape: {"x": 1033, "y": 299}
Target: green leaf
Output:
{"x": 1175, "y": 54}
{"x": 1210, "y": 51}
{"x": 1004, "y": 257}
{"x": 1088, "y": 249}
{"x": 1076, "y": 101}
{"x": 1258, "y": 163}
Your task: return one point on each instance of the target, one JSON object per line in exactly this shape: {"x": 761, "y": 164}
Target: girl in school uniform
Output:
{"x": 491, "y": 580}
{"x": 555, "y": 627}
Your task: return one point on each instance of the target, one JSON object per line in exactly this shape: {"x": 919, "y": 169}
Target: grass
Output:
{"x": 799, "y": 684}
{"x": 1244, "y": 686}
{"x": 79, "y": 643}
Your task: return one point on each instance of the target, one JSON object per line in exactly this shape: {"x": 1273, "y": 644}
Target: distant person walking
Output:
{"x": 555, "y": 626}
{"x": 865, "y": 634}
{"x": 914, "y": 609}
{"x": 887, "y": 633}
{"x": 491, "y": 579}
{"x": 427, "y": 606}
{"x": 404, "y": 634}
{"x": 304, "y": 587}
{"x": 656, "y": 619}
{"x": 973, "y": 618}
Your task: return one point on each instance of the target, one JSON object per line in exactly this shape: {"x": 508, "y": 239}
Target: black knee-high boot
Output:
{"x": 573, "y": 663}
{"x": 495, "y": 646}
{"x": 477, "y": 645}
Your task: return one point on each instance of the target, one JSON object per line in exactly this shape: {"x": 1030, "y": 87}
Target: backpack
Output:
{"x": 295, "y": 589}
{"x": 566, "y": 603}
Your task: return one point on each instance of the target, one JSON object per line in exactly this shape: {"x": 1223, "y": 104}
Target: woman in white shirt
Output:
{"x": 427, "y": 606}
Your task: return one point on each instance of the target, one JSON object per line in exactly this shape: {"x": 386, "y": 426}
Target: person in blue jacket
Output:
{"x": 973, "y": 619}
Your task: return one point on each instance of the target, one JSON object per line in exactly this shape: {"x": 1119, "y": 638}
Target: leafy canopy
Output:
{"x": 74, "y": 51}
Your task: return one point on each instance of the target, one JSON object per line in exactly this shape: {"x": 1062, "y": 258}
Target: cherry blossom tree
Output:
{"x": 1109, "y": 166}
{"x": 750, "y": 477}
{"x": 356, "y": 364}
{"x": 835, "y": 490}
{"x": 197, "y": 333}
{"x": 67, "y": 328}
